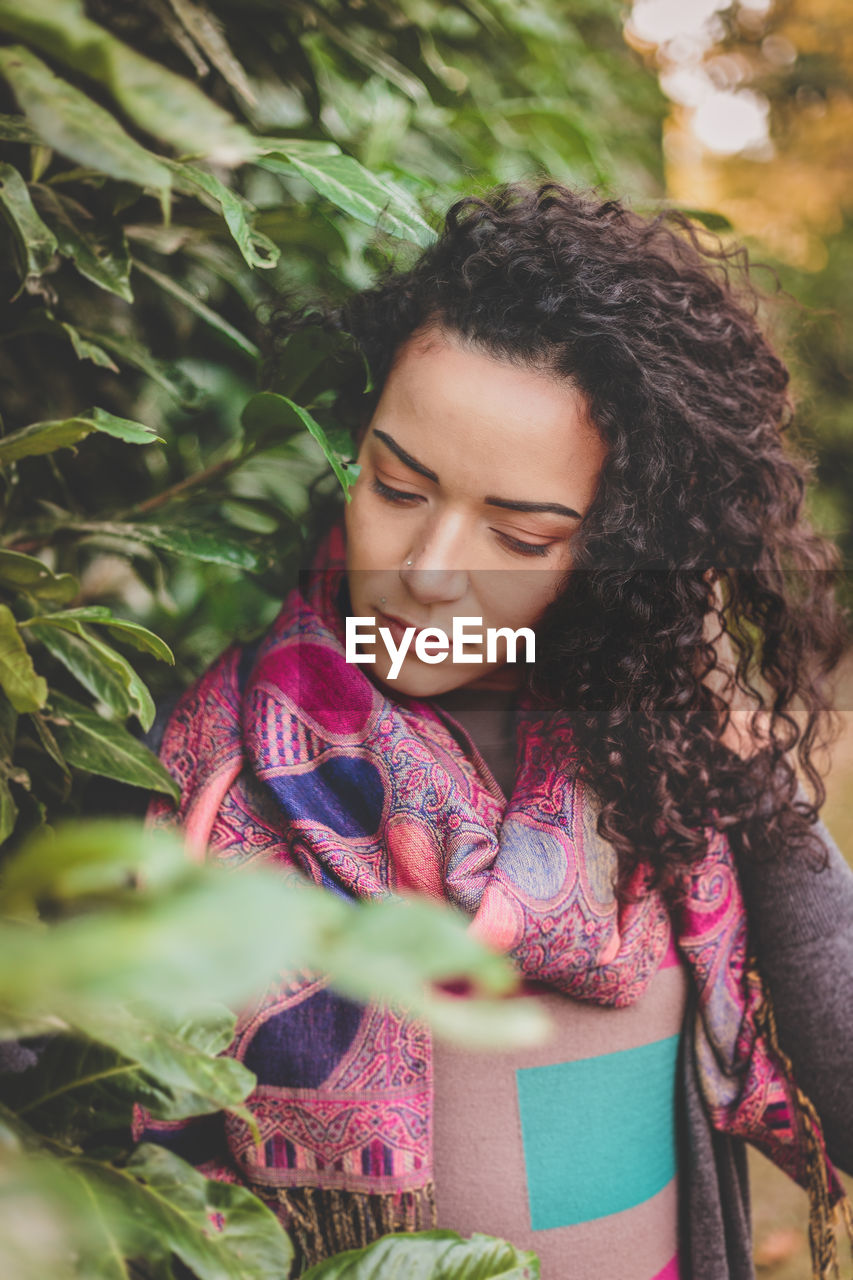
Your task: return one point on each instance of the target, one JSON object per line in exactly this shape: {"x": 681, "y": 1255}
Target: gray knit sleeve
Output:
{"x": 802, "y": 921}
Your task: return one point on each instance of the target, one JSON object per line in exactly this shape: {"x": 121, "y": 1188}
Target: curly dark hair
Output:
{"x": 656, "y": 323}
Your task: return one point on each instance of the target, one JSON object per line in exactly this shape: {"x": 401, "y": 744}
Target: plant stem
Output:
{"x": 176, "y": 490}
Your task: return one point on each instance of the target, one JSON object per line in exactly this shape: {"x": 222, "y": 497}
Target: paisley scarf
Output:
{"x": 289, "y": 753}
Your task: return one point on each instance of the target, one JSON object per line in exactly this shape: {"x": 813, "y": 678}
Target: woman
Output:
{"x": 575, "y": 435}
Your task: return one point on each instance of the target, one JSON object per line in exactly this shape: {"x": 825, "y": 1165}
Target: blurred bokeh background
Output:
{"x": 171, "y": 168}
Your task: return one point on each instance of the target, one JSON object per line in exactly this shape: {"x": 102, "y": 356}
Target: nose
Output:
{"x": 433, "y": 570}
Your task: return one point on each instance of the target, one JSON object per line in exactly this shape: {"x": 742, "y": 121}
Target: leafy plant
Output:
{"x": 112, "y": 954}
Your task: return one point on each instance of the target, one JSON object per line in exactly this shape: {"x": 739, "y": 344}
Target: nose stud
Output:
{"x": 383, "y": 599}
{"x": 409, "y": 564}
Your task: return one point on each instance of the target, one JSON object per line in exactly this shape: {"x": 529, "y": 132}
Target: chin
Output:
{"x": 419, "y": 680}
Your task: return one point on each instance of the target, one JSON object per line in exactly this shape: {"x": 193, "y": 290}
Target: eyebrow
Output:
{"x": 406, "y": 457}
{"x": 507, "y": 504}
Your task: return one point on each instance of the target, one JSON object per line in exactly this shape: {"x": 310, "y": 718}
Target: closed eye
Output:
{"x": 400, "y": 497}
{"x": 523, "y": 548}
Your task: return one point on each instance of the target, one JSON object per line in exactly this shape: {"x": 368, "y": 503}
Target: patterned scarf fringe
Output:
{"x": 823, "y": 1211}
{"x": 323, "y": 1222}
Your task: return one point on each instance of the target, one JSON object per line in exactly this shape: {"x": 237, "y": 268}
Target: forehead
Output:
{"x": 466, "y": 413}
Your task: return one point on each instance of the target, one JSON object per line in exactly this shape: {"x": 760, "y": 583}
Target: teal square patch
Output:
{"x": 598, "y": 1134}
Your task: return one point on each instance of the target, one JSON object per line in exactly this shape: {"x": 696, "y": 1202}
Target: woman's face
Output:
{"x": 475, "y": 474}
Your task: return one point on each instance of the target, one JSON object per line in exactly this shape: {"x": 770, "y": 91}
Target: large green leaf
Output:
{"x": 132, "y": 633}
{"x": 93, "y": 744}
{"x": 43, "y": 1215}
{"x": 193, "y": 1083}
{"x": 158, "y": 938}
{"x": 106, "y": 674}
{"x": 36, "y": 242}
{"x": 157, "y": 1205}
{"x": 199, "y": 542}
{"x": 105, "y": 858}
{"x": 430, "y": 1255}
{"x": 256, "y": 248}
{"x": 30, "y": 575}
{"x": 25, "y": 690}
{"x": 268, "y": 413}
{"x": 157, "y": 100}
{"x": 98, "y": 249}
{"x": 360, "y": 193}
{"x": 91, "y": 1081}
{"x": 74, "y": 125}
{"x": 45, "y": 437}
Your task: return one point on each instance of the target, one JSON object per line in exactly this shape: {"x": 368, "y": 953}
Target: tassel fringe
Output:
{"x": 825, "y": 1203}
{"x": 322, "y": 1222}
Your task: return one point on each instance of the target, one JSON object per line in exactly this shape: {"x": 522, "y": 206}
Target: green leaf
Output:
{"x": 81, "y": 1085}
{"x": 29, "y": 575}
{"x": 430, "y": 1255}
{"x": 131, "y": 632}
{"x": 36, "y": 242}
{"x": 105, "y": 673}
{"x": 256, "y": 248}
{"x": 98, "y": 250}
{"x": 16, "y": 129}
{"x": 45, "y": 437}
{"x": 86, "y": 350}
{"x": 159, "y": 101}
{"x": 157, "y": 1204}
{"x": 207, "y": 34}
{"x": 86, "y": 859}
{"x": 269, "y": 412}
{"x": 197, "y": 1083}
{"x": 162, "y": 943}
{"x": 74, "y": 125}
{"x": 93, "y": 744}
{"x": 128, "y": 351}
{"x": 305, "y": 148}
{"x": 123, "y": 428}
{"x": 8, "y": 728}
{"x": 41, "y": 1210}
{"x": 25, "y": 690}
{"x": 199, "y": 308}
{"x": 357, "y": 191}
{"x": 312, "y": 361}
{"x": 48, "y": 741}
{"x": 8, "y": 811}
{"x": 196, "y": 541}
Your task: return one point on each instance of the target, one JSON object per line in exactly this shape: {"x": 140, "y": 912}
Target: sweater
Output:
{"x": 802, "y": 920}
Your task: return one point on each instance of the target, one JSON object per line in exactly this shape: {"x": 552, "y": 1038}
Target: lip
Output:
{"x": 397, "y": 626}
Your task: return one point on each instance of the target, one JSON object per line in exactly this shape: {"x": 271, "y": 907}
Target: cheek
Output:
{"x": 378, "y": 533}
{"x": 363, "y": 529}
{"x": 519, "y": 597}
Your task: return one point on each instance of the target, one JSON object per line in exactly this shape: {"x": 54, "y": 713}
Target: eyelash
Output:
{"x": 398, "y": 496}
{"x": 401, "y": 498}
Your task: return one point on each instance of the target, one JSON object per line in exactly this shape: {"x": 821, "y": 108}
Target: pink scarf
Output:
{"x": 299, "y": 757}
